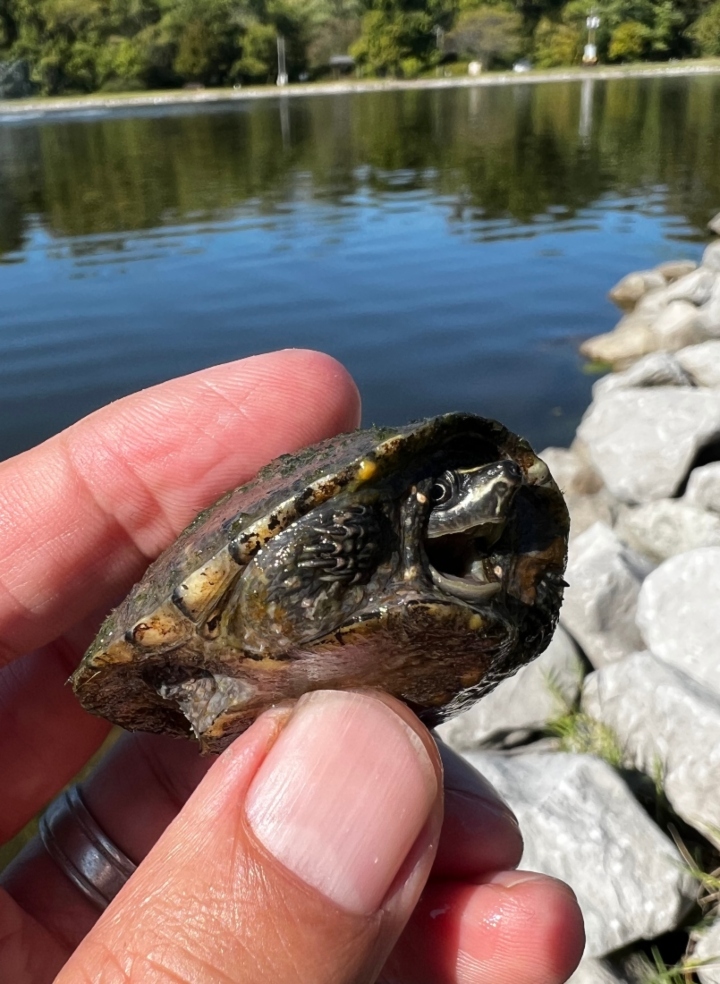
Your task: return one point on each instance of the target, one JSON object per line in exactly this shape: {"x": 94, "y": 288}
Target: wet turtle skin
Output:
{"x": 426, "y": 561}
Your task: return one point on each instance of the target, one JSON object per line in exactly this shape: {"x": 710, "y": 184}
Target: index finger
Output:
{"x": 82, "y": 515}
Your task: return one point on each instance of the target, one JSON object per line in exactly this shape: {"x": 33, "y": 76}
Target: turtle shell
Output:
{"x": 321, "y": 573}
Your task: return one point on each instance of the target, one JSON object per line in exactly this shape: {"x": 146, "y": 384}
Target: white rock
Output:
{"x": 572, "y": 471}
{"x": 652, "y": 304}
{"x": 667, "y": 527}
{"x": 628, "y": 291}
{"x": 669, "y": 727}
{"x": 674, "y": 269}
{"x": 714, "y": 224}
{"x": 677, "y": 325}
{"x": 643, "y": 441}
{"x": 703, "y": 487}
{"x": 593, "y": 971}
{"x": 711, "y": 257}
{"x": 586, "y": 510}
{"x": 538, "y": 693}
{"x": 604, "y": 578}
{"x": 710, "y": 312}
{"x": 708, "y": 951}
{"x": 628, "y": 341}
{"x": 695, "y": 287}
{"x": 580, "y": 823}
{"x": 656, "y": 369}
{"x": 701, "y": 363}
{"x": 679, "y": 615}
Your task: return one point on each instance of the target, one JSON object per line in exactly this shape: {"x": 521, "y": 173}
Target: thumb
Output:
{"x": 299, "y": 857}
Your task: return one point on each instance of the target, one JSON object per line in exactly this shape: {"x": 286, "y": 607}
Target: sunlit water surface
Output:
{"x": 450, "y": 247}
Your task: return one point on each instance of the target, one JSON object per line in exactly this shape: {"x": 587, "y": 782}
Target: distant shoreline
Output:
{"x": 49, "y": 105}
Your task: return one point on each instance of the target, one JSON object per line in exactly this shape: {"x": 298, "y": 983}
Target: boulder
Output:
{"x": 626, "y": 343}
{"x": 669, "y": 728}
{"x": 672, "y": 270}
{"x": 707, "y": 951}
{"x": 677, "y": 325}
{"x": 701, "y": 363}
{"x": 703, "y": 487}
{"x": 679, "y": 616}
{"x": 590, "y": 970}
{"x": 572, "y": 470}
{"x": 662, "y": 529}
{"x": 710, "y": 312}
{"x": 711, "y": 257}
{"x": 586, "y": 510}
{"x": 656, "y": 369}
{"x": 628, "y": 291}
{"x": 604, "y": 578}
{"x": 695, "y": 287}
{"x": 581, "y": 823}
{"x": 714, "y": 224}
{"x": 539, "y": 692}
{"x": 643, "y": 441}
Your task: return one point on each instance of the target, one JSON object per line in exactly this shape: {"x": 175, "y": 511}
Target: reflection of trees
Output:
{"x": 517, "y": 152}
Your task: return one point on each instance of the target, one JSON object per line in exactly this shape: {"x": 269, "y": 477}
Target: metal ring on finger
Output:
{"x": 81, "y": 848}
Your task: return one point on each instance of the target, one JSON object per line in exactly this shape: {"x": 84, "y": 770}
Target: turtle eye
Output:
{"x": 444, "y": 489}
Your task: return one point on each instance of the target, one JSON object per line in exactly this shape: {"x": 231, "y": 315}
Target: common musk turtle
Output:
{"x": 426, "y": 561}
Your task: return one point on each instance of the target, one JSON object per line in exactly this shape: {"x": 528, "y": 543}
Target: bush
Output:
{"x": 556, "y": 44}
{"x": 629, "y": 41}
{"x": 487, "y": 33}
{"x": 705, "y": 32}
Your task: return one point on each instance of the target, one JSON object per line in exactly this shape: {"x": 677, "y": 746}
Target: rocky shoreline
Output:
{"x": 23, "y": 108}
{"x": 608, "y": 745}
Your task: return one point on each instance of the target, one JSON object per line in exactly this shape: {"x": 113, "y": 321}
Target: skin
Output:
{"x": 82, "y": 515}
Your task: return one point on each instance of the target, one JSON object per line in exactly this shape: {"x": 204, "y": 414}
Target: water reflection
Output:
{"x": 451, "y": 247}
{"x": 518, "y": 152}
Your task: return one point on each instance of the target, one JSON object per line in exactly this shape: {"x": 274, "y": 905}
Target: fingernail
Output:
{"x": 342, "y": 796}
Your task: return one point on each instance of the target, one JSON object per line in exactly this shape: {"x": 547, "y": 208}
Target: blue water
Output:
{"x": 451, "y": 248}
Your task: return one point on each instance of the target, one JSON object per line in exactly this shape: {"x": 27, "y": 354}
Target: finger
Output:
{"x": 87, "y": 509}
{"x": 294, "y": 860}
{"x": 253, "y": 409}
{"x": 480, "y": 832}
{"x": 518, "y": 928}
{"x": 142, "y": 783}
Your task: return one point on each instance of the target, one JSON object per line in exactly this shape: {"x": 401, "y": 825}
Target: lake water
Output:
{"x": 451, "y": 247}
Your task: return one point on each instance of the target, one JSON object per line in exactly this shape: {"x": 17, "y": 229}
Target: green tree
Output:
{"x": 705, "y": 32}
{"x": 556, "y": 44}
{"x": 629, "y": 41}
{"x": 491, "y": 34}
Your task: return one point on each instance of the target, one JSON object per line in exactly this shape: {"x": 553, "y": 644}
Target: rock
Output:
{"x": 701, "y": 363}
{"x": 695, "y": 287}
{"x": 586, "y": 510}
{"x": 667, "y": 527}
{"x": 703, "y": 487}
{"x": 669, "y": 727}
{"x": 714, "y": 224}
{"x": 679, "y": 616}
{"x": 604, "y": 578}
{"x": 711, "y": 257}
{"x": 626, "y": 343}
{"x": 656, "y": 369}
{"x": 677, "y": 325}
{"x": 572, "y": 471}
{"x": 674, "y": 269}
{"x": 643, "y": 441}
{"x": 707, "y": 950}
{"x": 651, "y": 304}
{"x": 539, "y": 692}
{"x": 593, "y": 971}
{"x": 710, "y": 312}
{"x": 581, "y": 823}
{"x": 628, "y": 291}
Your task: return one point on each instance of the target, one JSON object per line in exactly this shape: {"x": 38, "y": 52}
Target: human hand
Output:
{"x": 314, "y": 849}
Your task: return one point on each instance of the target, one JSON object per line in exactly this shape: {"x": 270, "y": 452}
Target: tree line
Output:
{"x": 76, "y": 46}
